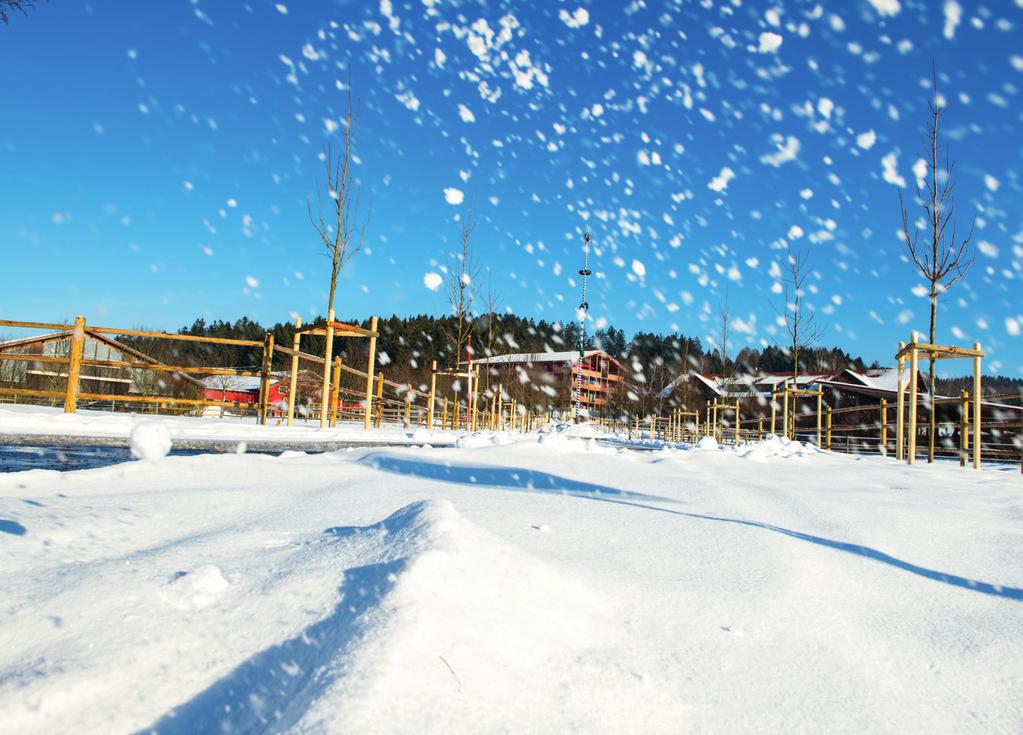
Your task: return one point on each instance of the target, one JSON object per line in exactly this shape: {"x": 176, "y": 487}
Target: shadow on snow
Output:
{"x": 504, "y": 478}
{"x": 530, "y": 480}
{"x": 273, "y": 689}
{"x": 12, "y": 527}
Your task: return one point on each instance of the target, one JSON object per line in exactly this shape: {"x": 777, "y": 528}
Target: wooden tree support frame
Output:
{"x": 679, "y": 423}
{"x": 330, "y": 384}
{"x": 472, "y": 379}
{"x": 912, "y": 353}
{"x": 724, "y": 406}
{"x": 789, "y": 396}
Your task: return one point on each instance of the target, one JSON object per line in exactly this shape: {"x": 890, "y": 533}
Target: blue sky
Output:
{"x": 156, "y": 159}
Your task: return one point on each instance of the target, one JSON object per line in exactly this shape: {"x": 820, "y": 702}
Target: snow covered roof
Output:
{"x": 744, "y": 385}
{"x": 881, "y": 380}
{"x": 773, "y": 379}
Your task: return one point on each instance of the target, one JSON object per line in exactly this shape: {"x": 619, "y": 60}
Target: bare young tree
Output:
{"x": 10, "y": 6}
{"x": 800, "y": 324}
{"x": 463, "y": 286}
{"x": 341, "y": 229}
{"x": 491, "y": 306}
{"x": 727, "y": 370}
{"x": 942, "y": 258}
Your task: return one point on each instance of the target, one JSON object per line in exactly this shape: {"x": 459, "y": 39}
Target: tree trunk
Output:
{"x": 931, "y": 379}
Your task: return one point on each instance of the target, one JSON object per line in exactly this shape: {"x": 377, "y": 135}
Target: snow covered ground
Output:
{"x": 45, "y": 420}
{"x": 536, "y": 584}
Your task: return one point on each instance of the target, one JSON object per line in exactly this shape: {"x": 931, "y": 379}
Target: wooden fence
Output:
{"x": 375, "y": 402}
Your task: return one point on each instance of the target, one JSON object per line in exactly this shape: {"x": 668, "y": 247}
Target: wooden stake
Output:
{"x": 820, "y": 402}
{"x": 264, "y": 379}
{"x": 444, "y": 415}
{"x": 785, "y": 411}
{"x": 380, "y": 399}
{"x": 976, "y": 408}
{"x": 293, "y": 386}
{"x": 370, "y": 366}
{"x": 911, "y": 451}
{"x": 335, "y": 396}
{"x": 500, "y": 407}
{"x": 475, "y": 398}
{"x": 829, "y": 428}
{"x": 884, "y": 425}
{"x": 433, "y": 394}
{"x": 408, "y": 403}
{"x": 900, "y": 409}
{"x": 964, "y": 410}
{"x": 74, "y": 368}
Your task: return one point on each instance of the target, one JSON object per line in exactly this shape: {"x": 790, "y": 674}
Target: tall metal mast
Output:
{"x": 584, "y": 308}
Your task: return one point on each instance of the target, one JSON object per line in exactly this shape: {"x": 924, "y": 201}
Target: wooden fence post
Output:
{"x": 829, "y": 428}
{"x": 475, "y": 399}
{"x": 444, "y": 415}
{"x": 293, "y": 387}
{"x": 820, "y": 406}
{"x": 370, "y": 365}
{"x": 774, "y": 408}
{"x": 433, "y": 395}
{"x": 264, "y": 377}
{"x": 380, "y": 399}
{"x": 976, "y": 408}
{"x": 500, "y": 407}
{"x": 911, "y": 450}
{"x": 964, "y": 433}
{"x": 74, "y": 367}
{"x": 408, "y": 404}
{"x": 335, "y": 396}
{"x": 900, "y": 409}
{"x": 884, "y": 426}
{"x": 785, "y": 411}
{"x": 328, "y": 351}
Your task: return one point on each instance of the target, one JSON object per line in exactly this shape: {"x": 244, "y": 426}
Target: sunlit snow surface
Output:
{"x": 695, "y": 138}
{"x": 537, "y": 583}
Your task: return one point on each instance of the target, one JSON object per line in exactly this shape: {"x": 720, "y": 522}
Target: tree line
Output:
{"x": 407, "y": 346}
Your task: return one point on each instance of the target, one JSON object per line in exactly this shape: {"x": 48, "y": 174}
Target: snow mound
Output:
{"x": 581, "y": 431}
{"x": 707, "y": 442}
{"x": 196, "y": 590}
{"x": 421, "y": 435}
{"x": 475, "y": 440}
{"x": 413, "y": 636}
{"x": 429, "y": 648}
{"x": 776, "y": 446}
{"x": 563, "y": 441}
{"x": 150, "y": 440}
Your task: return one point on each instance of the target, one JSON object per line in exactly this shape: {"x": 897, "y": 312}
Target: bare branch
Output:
{"x": 345, "y": 233}
{"x": 11, "y": 6}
